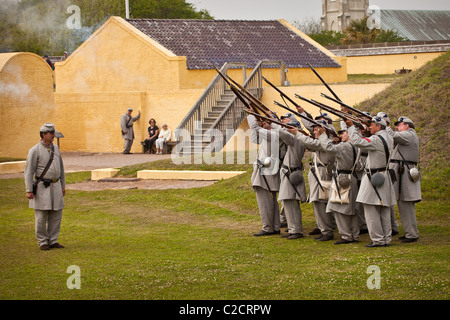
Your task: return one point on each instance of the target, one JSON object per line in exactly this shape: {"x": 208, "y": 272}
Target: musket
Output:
{"x": 252, "y": 98}
{"x": 244, "y": 92}
{"x": 315, "y": 122}
{"x": 345, "y": 116}
{"x": 283, "y": 95}
{"x": 287, "y": 126}
{"x": 323, "y": 81}
{"x": 344, "y": 105}
{"x": 248, "y": 104}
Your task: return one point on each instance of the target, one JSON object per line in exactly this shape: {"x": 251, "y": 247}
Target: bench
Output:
{"x": 168, "y": 146}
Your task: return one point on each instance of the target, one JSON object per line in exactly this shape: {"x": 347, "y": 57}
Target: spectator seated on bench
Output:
{"x": 153, "y": 132}
{"x": 163, "y": 137}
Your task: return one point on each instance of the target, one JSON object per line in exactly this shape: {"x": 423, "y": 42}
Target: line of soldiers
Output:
{"x": 354, "y": 180}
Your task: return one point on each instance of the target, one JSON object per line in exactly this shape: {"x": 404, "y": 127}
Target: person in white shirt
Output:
{"x": 164, "y": 136}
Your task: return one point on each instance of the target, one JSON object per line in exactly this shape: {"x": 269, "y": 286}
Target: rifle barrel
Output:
{"x": 343, "y": 104}
{"x": 323, "y": 81}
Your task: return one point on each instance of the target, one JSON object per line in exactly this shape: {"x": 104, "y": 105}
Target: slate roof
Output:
{"x": 209, "y": 42}
{"x": 417, "y": 25}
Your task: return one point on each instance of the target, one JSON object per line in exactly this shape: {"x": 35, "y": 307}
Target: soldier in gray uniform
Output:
{"x": 292, "y": 184}
{"x": 344, "y": 182}
{"x": 404, "y": 160}
{"x": 394, "y": 223}
{"x": 126, "y": 123}
{"x": 319, "y": 180}
{"x": 265, "y": 178}
{"x": 376, "y": 191}
{"x": 45, "y": 188}
{"x": 359, "y": 172}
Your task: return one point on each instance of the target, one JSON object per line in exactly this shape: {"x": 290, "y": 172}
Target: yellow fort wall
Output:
{"x": 26, "y": 101}
{"x": 387, "y": 64}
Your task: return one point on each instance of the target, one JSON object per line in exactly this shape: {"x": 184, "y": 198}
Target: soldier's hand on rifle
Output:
{"x": 300, "y": 109}
{"x": 293, "y": 131}
{"x": 348, "y": 122}
{"x": 344, "y": 109}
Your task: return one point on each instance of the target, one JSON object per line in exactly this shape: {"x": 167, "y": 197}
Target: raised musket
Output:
{"x": 315, "y": 122}
{"x": 323, "y": 81}
{"x": 345, "y": 116}
{"x": 344, "y": 105}
{"x": 283, "y": 95}
{"x": 287, "y": 126}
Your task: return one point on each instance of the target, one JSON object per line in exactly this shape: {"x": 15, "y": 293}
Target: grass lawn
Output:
{"x": 198, "y": 244}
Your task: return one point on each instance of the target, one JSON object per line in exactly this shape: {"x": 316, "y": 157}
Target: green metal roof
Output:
{"x": 418, "y": 25}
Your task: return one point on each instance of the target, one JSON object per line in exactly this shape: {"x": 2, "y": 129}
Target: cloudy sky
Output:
{"x": 291, "y": 10}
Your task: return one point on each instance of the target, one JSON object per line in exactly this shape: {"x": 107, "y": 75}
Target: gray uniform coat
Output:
{"x": 346, "y": 156}
{"x": 406, "y": 143}
{"x": 50, "y": 198}
{"x": 292, "y": 159}
{"x": 264, "y": 138}
{"x": 126, "y": 123}
{"x": 376, "y": 158}
{"x": 324, "y": 157}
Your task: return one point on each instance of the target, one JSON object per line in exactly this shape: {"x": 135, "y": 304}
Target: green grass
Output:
{"x": 198, "y": 244}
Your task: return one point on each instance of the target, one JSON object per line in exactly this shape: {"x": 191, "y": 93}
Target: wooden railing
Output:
{"x": 233, "y": 114}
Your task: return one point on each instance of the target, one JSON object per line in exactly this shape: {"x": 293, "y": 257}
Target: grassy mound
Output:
{"x": 423, "y": 96}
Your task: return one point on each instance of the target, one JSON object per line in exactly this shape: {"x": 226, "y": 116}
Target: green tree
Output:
{"x": 358, "y": 32}
{"x": 39, "y": 26}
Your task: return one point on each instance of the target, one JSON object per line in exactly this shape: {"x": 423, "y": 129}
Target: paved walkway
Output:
{"x": 84, "y": 161}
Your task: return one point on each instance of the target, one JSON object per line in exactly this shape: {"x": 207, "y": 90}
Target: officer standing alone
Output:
{"x": 45, "y": 188}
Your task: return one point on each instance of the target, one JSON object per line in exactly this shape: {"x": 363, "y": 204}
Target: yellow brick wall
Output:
{"x": 387, "y": 64}
{"x": 26, "y": 101}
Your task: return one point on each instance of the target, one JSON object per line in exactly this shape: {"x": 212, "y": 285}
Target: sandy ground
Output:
{"x": 83, "y": 161}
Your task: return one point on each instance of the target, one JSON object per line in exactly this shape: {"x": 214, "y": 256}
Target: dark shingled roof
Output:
{"x": 418, "y": 25}
{"x": 209, "y": 42}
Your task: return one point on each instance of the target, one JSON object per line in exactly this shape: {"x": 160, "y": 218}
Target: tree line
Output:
{"x": 39, "y": 26}
{"x": 356, "y": 33}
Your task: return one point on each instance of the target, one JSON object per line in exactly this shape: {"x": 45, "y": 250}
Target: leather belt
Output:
{"x": 403, "y": 161}
{"x": 375, "y": 170}
{"x": 344, "y": 171}
{"x": 291, "y": 168}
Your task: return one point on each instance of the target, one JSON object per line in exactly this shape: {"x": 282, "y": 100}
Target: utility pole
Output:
{"x": 127, "y": 9}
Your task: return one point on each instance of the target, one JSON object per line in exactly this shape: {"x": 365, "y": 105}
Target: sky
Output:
{"x": 291, "y": 10}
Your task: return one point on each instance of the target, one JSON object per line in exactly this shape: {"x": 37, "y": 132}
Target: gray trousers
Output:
{"x": 378, "y": 219}
{"x": 268, "y": 209}
{"x": 293, "y": 216}
{"x": 348, "y": 226}
{"x": 394, "y": 223}
{"x": 127, "y": 145}
{"x": 407, "y": 212}
{"x": 359, "y": 210}
{"x": 47, "y": 226}
{"x": 325, "y": 221}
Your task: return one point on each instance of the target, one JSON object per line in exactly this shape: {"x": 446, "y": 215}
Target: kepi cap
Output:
{"x": 404, "y": 119}
{"x": 384, "y": 116}
{"x": 379, "y": 120}
{"x": 47, "y": 127}
{"x": 325, "y": 116}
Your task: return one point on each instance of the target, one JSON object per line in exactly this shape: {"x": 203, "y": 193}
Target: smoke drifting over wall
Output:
{"x": 41, "y": 26}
